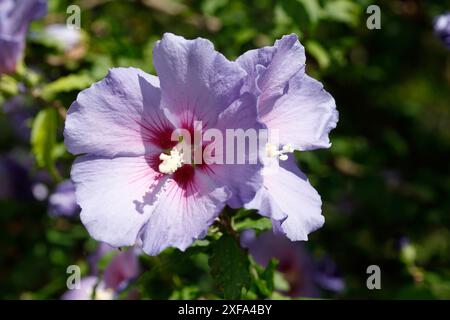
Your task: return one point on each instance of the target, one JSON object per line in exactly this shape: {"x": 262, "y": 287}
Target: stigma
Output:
{"x": 272, "y": 151}
{"x": 170, "y": 162}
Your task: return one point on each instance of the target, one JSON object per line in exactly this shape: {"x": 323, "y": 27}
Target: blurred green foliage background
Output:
{"x": 385, "y": 182}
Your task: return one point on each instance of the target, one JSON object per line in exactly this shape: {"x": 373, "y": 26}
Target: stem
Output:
{"x": 225, "y": 224}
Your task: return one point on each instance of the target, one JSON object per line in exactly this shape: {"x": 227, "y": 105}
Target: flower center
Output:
{"x": 272, "y": 151}
{"x": 170, "y": 162}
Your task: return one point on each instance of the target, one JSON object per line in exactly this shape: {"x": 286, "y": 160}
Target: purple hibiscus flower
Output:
{"x": 301, "y": 113}
{"x": 305, "y": 275}
{"x": 62, "y": 202}
{"x": 442, "y": 28}
{"x": 15, "y": 16}
{"x": 132, "y": 184}
{"x": 123, "y": 267}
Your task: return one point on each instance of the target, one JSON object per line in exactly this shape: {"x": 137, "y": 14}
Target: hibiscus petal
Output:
{"x": 304, "y": 116}
{"x": 116, "y": 196}
{"x": 119, "y": 115}
{"x": 273, "y": 67}
{"x": 249, "y": 60}
{"x": 243, "y": 180}
{"x": 183, "y": 215}
{"x": 197, "y": 82}
{"x": 288, "y": 193}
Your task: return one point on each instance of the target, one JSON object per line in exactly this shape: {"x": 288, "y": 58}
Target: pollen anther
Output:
{"x": 170, "y": 162}
{"x": 273, "y": 151}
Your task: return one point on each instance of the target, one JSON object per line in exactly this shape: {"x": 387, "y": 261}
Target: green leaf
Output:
{"x": 279, "y": 282}
{"x": 210, "y": 7}
{"x": 265, "y": 282}
{"x": 8, "y": 85}
{"x": 319, "y": 53}
{"x": 344, "y": 11}
{"x": 313, "y": 9}
{"x": 260, "y": 224}
{"x": 43, "y": 139}
{"x": 229, "y": 267}
{"x": 59, "y": 150}
{"x": 279, "y": 296}
{"x": 101, "y": 64}
{"x": 408, "y": 254}
{"x": 297, "y": 13}
{"x": 185, "y": 293}
{"x": 66, "y": 84}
